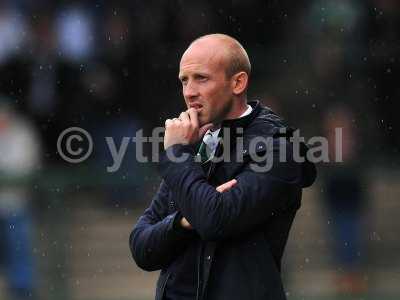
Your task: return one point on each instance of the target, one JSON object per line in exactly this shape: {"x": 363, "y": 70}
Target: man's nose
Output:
{"x": 190, "y": 90}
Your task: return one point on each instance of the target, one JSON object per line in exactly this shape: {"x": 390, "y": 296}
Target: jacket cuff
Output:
{"x": 175, "y": 228}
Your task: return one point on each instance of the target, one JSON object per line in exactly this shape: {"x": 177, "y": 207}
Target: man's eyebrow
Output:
{"x": 197, "y": 73}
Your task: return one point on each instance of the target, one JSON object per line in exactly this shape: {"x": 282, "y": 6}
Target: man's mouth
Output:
{"x": 196, "y": 106}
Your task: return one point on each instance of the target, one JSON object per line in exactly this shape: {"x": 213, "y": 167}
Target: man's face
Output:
{"x": 205, "y": 85}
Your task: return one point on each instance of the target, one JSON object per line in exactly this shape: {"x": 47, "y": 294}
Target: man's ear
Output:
{"x": 239, "y": 82}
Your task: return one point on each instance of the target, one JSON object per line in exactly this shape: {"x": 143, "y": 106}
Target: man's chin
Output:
{"x": 204, "y": 122}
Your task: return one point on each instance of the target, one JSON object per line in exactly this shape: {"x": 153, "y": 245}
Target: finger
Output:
{"x": 185, "y": 223}
{"x": 184, "y": 116}
{"x": 193, "y": 117}
{"x": 175, "y": 121}
{"x": 226, "y": 186}
{"x": 167, "y": 122}
{"x": 205, "y": 128}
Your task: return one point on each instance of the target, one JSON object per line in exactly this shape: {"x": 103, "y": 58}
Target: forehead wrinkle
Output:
{"x": 207, "y": 51}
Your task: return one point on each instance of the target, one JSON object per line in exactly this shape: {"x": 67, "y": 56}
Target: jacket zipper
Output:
{"x": 163, "y": 285}
{"x": 210, "y": 170}
{"x": 201, "y": 248}
{"x": 198, "y": 270}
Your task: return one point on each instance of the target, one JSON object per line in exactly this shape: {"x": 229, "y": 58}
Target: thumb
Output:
{"x": 226, "y": 186}
{"x": 203, "y": 129}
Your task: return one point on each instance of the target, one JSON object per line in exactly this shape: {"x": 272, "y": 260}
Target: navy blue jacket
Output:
{"x": 235, "y": 249}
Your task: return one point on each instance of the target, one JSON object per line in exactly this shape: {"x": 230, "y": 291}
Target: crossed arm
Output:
{"x": 158, "y": 237}
{"x": 254, "y": 198}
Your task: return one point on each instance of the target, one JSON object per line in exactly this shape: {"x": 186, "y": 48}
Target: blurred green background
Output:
{"x": 111, "y": 68}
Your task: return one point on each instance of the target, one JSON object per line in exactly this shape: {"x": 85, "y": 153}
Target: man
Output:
{"x": 217, "y": 228}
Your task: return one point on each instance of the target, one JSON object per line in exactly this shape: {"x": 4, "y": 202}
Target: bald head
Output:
{"x": 214, "y": 73}
{"x": 236, "y": 58}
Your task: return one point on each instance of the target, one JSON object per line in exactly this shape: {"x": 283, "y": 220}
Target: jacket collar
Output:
{"x": 235, "y": 127}
{"x": 242, "y": 122}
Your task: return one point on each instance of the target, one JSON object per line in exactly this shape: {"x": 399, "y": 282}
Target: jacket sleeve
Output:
{"x": 157, "y": 238}
{"x": 256, "y": 196}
